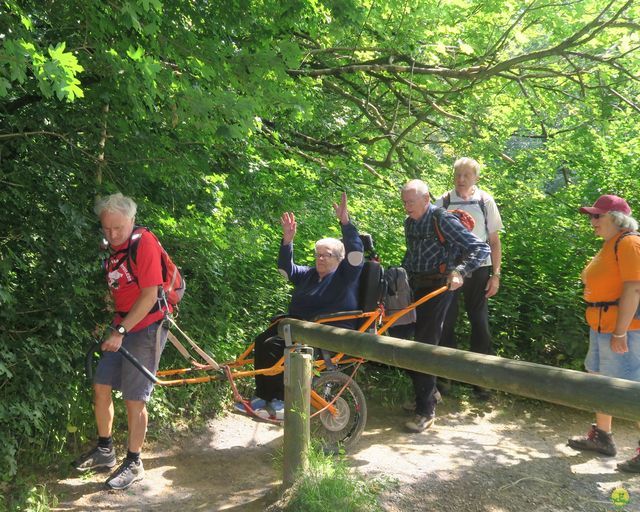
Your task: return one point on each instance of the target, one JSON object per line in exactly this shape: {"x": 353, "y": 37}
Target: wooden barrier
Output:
{"x": 580, "y": 390}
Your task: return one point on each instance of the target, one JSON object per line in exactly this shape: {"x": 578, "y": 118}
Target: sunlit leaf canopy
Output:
{"x": 218, "y": 116}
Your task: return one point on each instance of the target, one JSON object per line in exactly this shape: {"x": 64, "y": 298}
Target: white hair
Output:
{"x": 417, "y": 186}
{"x": 624, "y": 221}
{"x": 334, "y": 245}
{"x": 116, "y": 203}
{"x": 467, "y": 162}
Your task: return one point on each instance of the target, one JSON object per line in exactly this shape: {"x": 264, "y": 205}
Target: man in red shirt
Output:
{"x": 138, "y": 326}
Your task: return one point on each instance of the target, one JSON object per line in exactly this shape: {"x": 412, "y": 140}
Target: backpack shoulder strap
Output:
{"x": 134, "y": 241}
{"x": 446, "y": 200}
{"x": 483, "y": 209}
{"x": 132, "y": 250}
{"x": 126, "y": 252}
{"x": 437, "y": 215}
{"x": 623, "y": 235}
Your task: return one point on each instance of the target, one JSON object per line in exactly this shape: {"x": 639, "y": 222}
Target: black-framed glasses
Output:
{"x": 595, "y": 215}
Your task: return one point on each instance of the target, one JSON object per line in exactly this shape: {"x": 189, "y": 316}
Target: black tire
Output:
{"x": 345, "y": 428}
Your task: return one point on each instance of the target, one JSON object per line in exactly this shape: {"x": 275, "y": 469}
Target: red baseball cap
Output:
{"x": 606, "y": 204}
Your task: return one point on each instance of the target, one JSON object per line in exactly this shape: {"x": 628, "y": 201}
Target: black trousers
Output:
{"x": 477, "y": 307}
{"x": 429, "y": 323}
{"x": 268, "y": 350}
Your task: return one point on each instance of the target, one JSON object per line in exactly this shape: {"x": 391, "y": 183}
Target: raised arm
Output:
{"x": 341, "y": 210}
{"x": 289, "y": 227}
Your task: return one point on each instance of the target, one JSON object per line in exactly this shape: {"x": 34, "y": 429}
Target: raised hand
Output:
{"x": 288, "y": 223}
{"x": 341, "y": 209}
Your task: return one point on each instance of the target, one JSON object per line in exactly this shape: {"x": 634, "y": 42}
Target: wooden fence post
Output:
{"x": 297, "y": 391}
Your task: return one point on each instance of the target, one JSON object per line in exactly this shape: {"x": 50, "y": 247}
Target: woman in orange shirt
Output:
{"x": 612, "y": 293}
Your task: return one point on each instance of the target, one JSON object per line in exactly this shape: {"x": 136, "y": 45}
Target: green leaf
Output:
{"x": 5, "y": 85}
{"x": 157, "y": 5}
{"x": 135, "y": 54}
{"x": 26, "y": 22}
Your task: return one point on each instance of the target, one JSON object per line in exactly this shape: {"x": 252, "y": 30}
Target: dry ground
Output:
{"x": 502, "y": 456}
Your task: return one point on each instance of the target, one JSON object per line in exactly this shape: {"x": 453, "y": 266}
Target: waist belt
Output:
{"x": 604, "y": 305}
{"x": 425, "y": 279}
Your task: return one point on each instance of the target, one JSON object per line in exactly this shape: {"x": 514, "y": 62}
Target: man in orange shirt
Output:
{"x": 612, "y": 293}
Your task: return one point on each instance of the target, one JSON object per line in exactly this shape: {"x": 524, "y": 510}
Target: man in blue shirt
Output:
{"x": 432, "y": 264}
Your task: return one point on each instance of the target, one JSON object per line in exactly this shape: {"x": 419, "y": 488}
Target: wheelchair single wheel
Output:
{"x": 345, "y": 427}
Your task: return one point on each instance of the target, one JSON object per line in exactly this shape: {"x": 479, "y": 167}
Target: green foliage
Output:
{"x": 218, "y": 116}
{"x": 329, "y": 480}
{"x": 33, "y": 498}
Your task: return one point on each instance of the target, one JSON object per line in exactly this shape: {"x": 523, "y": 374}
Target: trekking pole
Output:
{"x": 138, "y": 365}
{"x": 95, "y": 347}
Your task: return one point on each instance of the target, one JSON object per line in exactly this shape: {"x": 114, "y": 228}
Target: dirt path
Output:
{"x": 506, "y": 455}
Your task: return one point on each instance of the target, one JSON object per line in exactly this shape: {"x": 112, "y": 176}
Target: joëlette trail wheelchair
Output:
{"x": 338, "y": 405}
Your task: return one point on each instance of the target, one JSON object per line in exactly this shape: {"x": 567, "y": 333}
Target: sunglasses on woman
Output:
{"x": 595, "y": 215}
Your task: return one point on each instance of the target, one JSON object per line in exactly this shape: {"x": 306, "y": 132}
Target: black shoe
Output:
{"x": 596, "y": 440}
{"x": 98, "y": 458}
{"x": 129, "y": 472}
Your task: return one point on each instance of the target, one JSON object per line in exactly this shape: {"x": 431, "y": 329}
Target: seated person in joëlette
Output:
{"x": 328, "y": 287}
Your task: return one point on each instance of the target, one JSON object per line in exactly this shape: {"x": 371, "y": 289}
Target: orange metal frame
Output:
{"x": 239, "y": 367}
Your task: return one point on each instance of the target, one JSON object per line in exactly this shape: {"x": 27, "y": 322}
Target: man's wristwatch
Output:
{"x": 120, "y": 329}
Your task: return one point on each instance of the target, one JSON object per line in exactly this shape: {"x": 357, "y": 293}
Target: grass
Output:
{"x": 28, "y": 498}
{"x": 329, "y": 484}
{"x": 386, "y": 385}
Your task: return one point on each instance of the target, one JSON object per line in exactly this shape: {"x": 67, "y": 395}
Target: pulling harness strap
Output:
{"x": 195, "y": 347}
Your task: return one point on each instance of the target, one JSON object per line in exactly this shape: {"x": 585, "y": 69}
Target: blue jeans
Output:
{"x": 600, "y": 358}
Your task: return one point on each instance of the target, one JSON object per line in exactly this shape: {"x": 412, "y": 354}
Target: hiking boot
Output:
{"x": 596, "y": 440}
{"x": 99, "y": 458}
{"x": 420, "y": 423}
{"x": 129, "y": 472}
{"x": 632, "y": 465}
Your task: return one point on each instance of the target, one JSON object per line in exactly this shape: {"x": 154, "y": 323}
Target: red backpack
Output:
{"x": 173, "y": 284}
{"x": 465, "y": 219}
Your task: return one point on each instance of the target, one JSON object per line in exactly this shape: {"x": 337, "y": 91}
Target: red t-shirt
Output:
{"x": 147, "y": 270}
